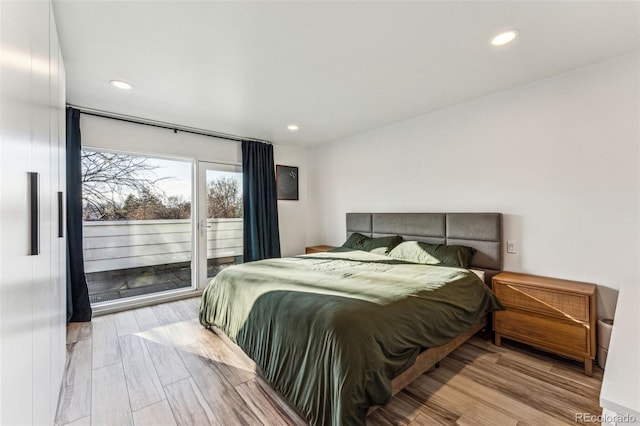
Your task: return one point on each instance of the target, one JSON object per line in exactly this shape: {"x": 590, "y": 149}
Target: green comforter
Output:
{"x": 331, "y": 330}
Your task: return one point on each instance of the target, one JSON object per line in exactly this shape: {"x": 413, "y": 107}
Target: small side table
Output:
{"x": 556, "y": 315}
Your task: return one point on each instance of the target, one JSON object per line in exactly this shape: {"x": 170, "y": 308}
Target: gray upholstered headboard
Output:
{"x": 482, "y": 231}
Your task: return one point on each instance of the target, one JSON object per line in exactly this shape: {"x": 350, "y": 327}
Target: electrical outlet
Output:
{"x": 511, "y": 247}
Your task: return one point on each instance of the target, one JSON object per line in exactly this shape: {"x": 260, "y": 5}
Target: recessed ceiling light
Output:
{"x": 293, "y": 127}
{"x": 121, "y": 84}
{"x": 504, "y": 37}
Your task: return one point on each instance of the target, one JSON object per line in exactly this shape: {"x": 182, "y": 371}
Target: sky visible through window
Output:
{"x": 177, "y": 177}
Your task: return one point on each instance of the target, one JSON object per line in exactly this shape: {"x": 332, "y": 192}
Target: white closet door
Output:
{"x": 58, "y": 248}
{"x": 16, "y": 266}
{"x": 41, "y": 154}
{"x": 32, "y": 341}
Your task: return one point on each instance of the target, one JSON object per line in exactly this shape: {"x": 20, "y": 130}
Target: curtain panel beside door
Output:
{"x": 78, "y": 306}
{"x": 261, "y": 232}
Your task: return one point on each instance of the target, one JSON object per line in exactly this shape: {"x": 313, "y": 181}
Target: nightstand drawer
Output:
{"x": 542, "y": 300}
{"x": 547, "y": 333}
{"x": 317, "y": 249}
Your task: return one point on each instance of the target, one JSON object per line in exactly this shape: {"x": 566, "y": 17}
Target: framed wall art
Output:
{"x": 287, "y": 182}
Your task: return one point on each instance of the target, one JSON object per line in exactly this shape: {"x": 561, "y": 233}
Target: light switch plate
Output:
{"x": 511, "y": 247}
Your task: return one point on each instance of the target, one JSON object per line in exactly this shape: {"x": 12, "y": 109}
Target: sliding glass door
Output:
{"x": 140, "y": 233}
{"x": 219, "y": 218}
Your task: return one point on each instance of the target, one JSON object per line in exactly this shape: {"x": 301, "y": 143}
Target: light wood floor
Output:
{"x": 158, "y": 366}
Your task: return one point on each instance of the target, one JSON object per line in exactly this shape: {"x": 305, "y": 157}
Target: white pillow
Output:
{"x": 479, "y": 273}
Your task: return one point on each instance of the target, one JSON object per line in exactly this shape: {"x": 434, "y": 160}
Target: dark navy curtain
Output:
{"x": 78, "y": 305}
{"x": 261, "y": 234}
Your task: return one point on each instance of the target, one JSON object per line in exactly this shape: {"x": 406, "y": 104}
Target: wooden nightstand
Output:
{"x": 317, "y": 249}
{"x": 551, "y": 314}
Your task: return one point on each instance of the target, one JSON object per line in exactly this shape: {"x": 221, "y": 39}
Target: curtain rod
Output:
{"x": 163, "y": 125}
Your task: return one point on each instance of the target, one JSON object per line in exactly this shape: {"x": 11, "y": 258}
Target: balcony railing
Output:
{"x": 129, "y": 258}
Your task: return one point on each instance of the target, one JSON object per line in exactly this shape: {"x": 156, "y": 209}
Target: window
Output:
{"x": 137, "y": 224}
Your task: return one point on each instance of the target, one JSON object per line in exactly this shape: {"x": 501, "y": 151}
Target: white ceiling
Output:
{"x": 334, "y": 68}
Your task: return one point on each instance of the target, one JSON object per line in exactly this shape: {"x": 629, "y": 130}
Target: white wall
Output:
{"x": 99, "y": 132}
{"x": 559, "y": 157}
{"x": 292, "y": 215}
{"x": 105, "y": 133}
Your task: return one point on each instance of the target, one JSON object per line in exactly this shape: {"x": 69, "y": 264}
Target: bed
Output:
{"x": 340, "y": 332}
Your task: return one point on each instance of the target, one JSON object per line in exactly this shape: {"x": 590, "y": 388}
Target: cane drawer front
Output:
{"x": 546, "y": 301}
{"x": 567, "y": 337}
